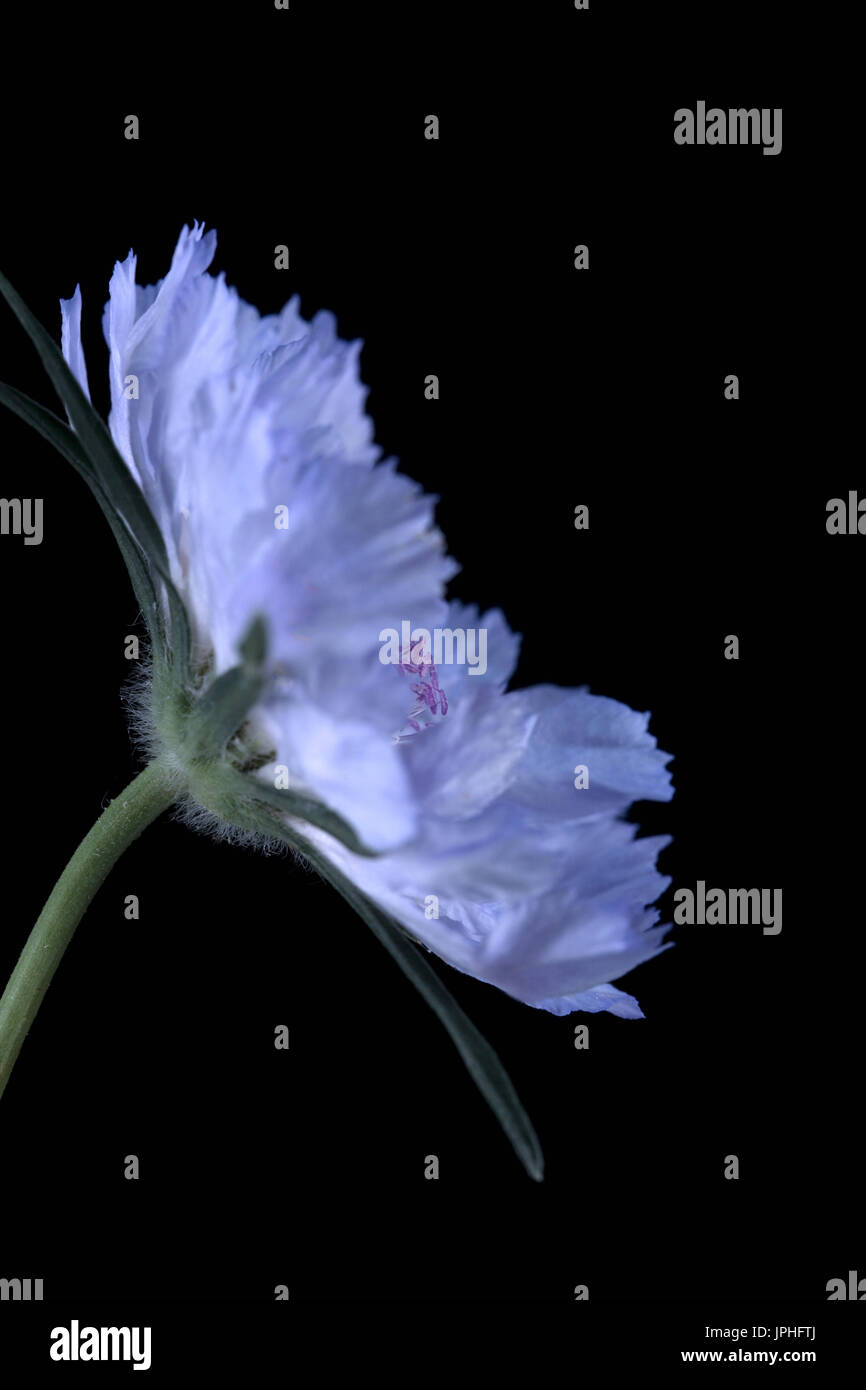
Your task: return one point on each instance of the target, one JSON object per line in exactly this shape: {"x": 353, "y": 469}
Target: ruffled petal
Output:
{"x": 592, "y": 1001}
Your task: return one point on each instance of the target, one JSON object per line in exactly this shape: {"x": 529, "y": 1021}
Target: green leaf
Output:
{"x": 478, "y": 1056}
{"x": 58, "y": 433}
{"x": 119, "y": 486}
{"x": 50, "y": 426}
{"x": 476, "y": 1053}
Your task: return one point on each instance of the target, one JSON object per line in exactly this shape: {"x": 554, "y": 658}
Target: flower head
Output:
{"x": 248, "y": 437}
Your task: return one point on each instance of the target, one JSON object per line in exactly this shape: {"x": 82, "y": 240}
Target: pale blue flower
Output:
{"x": 540, "y": 889}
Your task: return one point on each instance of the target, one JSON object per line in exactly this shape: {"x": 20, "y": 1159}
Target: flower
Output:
{"x": 248, "y": 437}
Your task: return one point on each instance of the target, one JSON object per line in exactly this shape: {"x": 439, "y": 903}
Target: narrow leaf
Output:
{"x": 476, "y": 1053}
{"x": 478, "y": 1056}
{"x": 58, "y": 433}
{"x": 118, "y": 483}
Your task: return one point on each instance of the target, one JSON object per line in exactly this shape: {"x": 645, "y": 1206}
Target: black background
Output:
{"x": 707, "y": 517}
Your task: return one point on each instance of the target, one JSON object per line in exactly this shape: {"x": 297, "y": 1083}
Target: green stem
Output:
{"x": 146, "y": 797}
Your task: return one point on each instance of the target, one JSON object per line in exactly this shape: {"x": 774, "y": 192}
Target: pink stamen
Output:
{"x": 430, "y": 695}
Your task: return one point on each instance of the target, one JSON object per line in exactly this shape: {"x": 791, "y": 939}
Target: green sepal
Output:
{"x": 237, "y": 790}
{"x": 120, "y": 488}
{"x": 209, "y": 739}
{"x": 220, "y": 712}
{"x": 254, "y": 644}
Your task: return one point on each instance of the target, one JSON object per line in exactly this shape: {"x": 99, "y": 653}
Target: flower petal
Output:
{"x": 70, "y": 339}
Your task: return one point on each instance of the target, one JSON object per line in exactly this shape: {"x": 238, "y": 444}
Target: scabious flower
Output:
{"x": 275, "y": 556}
{"x": 248, "y": 437}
